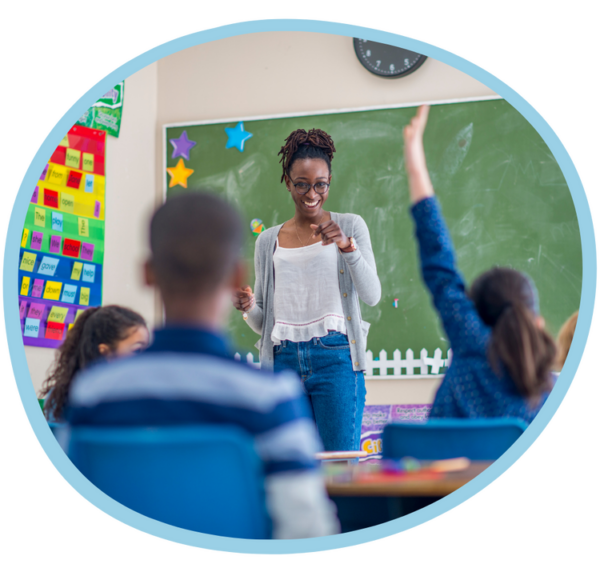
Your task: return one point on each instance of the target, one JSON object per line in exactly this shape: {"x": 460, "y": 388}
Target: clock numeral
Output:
{"x": 368, "y": 53}
{"x": 406, "y": 62}
{"x": 392, "y": 67}
{"x": 378, "y": 62}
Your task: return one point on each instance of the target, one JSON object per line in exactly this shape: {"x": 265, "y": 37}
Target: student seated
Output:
{"x": 502, "y": 356}
{"x": 564, "y": 340}
{"x": 188, "y": 375}
{"x": 103, "y": 332}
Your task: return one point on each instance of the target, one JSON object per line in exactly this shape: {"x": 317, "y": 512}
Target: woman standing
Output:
{"x": 310, "y": 273}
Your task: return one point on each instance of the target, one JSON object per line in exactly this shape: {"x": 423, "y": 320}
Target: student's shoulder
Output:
{"x": 187, "y": 377}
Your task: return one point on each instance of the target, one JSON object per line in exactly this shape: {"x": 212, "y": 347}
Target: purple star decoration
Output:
{"x": 182, "y": 146}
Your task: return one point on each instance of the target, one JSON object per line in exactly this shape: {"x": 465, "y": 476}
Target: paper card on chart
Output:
{"x": 58, "y": 314}
{"x": 50, "y": 198}
{"x": 36, "y": 311}
{"x": 73, "y": 158}
{"x": 57, "y": 221}
{"x": 25, "y": 286}
{"x": 27, "y": 262}
{"x": 48, "y": 266}
{"x": 84, "y": 297}
{"x": 54, "y": 330}
{"x": 87, "y": 251}
{"x": 76, "y": 272}
{"x": 67, "y": 202}
{"x": 22, "y": 309}
{"x": 55, "y": 242}
{"x": 89, "y": 273}
{"x": 36, "y": 240}
{"x": 84, "y": 228}
{"x": 40, "y": 217}
{"x": 52, "y": 291}
{"x": 38, "y": 287}
{"x": 69, "y": 293}
{"x": 32, "y": 327}
{"x": 25, "y": 237}
{"x": 89, "y": 183}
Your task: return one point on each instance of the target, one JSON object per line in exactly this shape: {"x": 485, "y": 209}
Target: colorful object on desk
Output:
{"x": 179, "y": 174}
{"x": 257, "y": 226}
{"x": 395, "y": 302}
{"x": 237, "y": 136}
{"x": 182, "y": 146}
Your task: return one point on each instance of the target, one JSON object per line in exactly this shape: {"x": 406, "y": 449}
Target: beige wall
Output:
{"x": 251, "y": 75}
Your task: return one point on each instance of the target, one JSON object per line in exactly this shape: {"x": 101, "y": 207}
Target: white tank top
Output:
{"x": 307, "y": 293}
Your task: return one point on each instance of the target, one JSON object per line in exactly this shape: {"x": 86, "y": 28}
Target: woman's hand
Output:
{"x": 331, "y": 232}
{"x": 243, "y": 299}
{"x": 414, "y": 157}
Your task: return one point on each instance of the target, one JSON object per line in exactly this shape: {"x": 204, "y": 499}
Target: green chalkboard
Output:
{"x": 503, "y": 194}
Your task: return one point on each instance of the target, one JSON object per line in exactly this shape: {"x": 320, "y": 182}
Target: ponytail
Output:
{"x": 525, "y": 350}
{"x": 102, "y": 325}
{"x": 507, "y": 301}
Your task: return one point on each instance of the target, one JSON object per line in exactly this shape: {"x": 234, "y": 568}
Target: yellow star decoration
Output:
{"x": 179, "y": 174}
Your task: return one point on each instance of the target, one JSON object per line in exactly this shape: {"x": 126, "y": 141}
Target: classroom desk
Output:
{"x": 406, "y": 487}
{"x": 362, "y": 505}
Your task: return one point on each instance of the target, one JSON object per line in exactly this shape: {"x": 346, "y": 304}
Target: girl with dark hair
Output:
{"x": 502, "y": 356}
{"x": 310, "y": 273}
{"x": 103, "y": 332}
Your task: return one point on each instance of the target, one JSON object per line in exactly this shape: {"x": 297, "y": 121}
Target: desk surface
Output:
{"x": 406, "y": 486}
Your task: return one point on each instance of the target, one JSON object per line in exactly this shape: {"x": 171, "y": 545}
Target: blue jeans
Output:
{"x": 335, "y": 391}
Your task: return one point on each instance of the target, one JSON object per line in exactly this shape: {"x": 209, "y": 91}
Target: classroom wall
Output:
{"x": 251, "y": 75}
{"x": 130, "y": 199}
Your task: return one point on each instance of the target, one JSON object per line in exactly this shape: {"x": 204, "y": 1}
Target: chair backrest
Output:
{"x": 203, "y": 478}
{"x": 438, "y": 439}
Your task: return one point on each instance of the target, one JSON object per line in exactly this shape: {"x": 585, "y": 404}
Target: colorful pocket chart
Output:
{"x": 62, "y": 245}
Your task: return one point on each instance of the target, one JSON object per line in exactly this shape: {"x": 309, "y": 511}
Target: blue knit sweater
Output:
{"x": 471, "y": 388}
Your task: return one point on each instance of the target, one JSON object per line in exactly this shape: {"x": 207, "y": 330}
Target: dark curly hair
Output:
{"x": 301, "y": 144}
{"x": 102, "y": 325}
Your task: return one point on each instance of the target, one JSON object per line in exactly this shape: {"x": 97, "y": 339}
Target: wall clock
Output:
{"x": 385, "y": 60}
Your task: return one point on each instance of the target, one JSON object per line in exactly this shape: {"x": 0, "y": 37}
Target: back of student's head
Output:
{"x": 196, "y": 241}
{"x": 507, "y": 301}
{"x": 564, "y": 340}
{"x": 95, "y": 334}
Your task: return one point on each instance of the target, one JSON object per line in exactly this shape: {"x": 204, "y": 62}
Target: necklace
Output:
{"x": 298, "y": 235}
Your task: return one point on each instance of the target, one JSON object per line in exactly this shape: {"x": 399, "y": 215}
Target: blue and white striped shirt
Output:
{"x": 188, "y": 376}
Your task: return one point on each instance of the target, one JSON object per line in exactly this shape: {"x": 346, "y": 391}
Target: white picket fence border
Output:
{"x": 396, "y": 364}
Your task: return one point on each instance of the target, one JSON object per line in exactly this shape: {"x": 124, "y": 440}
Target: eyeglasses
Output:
{"x": 303, "y": 188}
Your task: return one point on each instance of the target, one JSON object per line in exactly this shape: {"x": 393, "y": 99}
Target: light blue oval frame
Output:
{"x": 17, "y": 352}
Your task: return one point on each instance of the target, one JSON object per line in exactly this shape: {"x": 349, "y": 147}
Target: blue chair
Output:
{"x": 203, "y": 478}
{"x": 441, "y": 438}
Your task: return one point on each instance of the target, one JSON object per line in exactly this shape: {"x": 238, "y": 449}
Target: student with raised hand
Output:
{"x": 502, "y": 356}
{"x": 189, "y": 376}
{"x": 105, "y": 332}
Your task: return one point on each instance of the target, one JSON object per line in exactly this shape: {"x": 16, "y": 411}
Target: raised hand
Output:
{"x": 330, "y": 232}
{"x": 243, "y": 299}
{"x": 414, "y": 156}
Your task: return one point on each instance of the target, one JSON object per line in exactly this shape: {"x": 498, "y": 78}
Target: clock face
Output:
{"x": 385, "y": 60}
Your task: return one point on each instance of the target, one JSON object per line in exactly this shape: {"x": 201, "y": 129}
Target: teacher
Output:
{"x": 310, "y": 273}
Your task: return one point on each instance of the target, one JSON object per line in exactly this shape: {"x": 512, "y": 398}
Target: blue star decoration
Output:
{"x": 182, "y": 146}
{"x": 237, "y": 136}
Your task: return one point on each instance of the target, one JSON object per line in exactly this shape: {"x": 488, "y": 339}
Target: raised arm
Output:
{"x": 461, "y": 322}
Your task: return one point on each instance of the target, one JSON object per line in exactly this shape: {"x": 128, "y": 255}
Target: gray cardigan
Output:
{"x": 358, "y": 279}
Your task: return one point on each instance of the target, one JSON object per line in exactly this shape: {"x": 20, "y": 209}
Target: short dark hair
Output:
{"x": 196, "y": 240}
